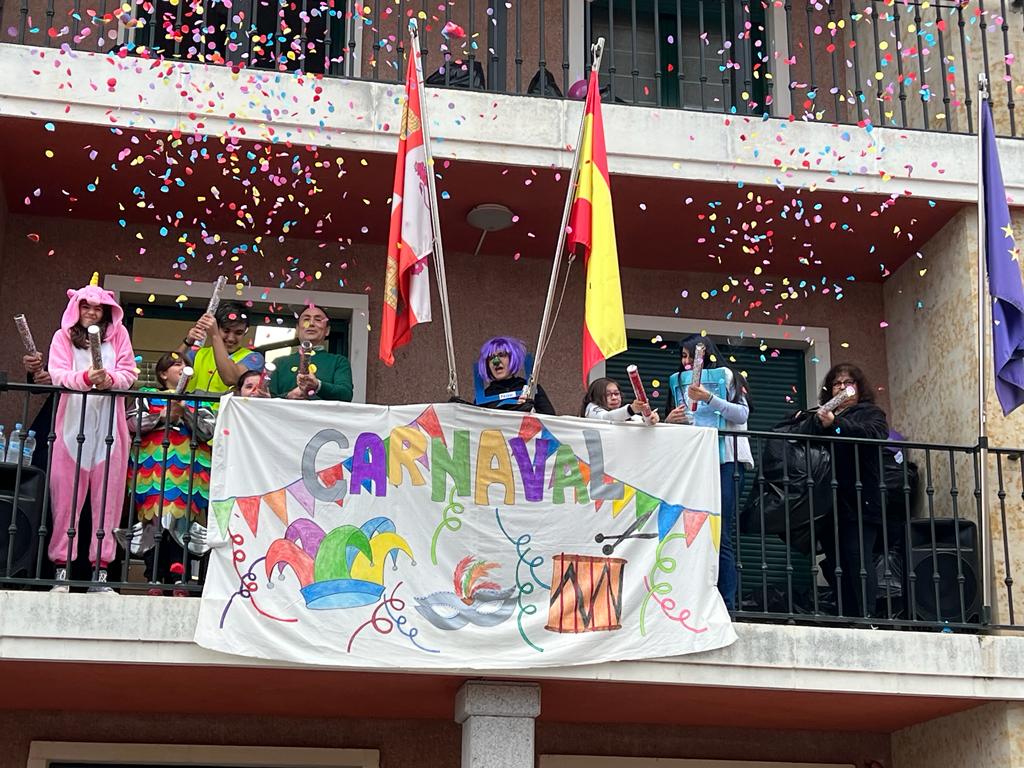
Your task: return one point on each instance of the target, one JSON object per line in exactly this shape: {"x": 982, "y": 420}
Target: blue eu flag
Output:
{"x": 1002, "y": 258}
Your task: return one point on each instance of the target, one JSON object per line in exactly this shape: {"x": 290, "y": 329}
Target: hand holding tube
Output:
{"x": 26, "y": 334}
{"x": 838, "y": 400}
{"x": 213, "y": 305}
{"x": 95, "y": 347}
{"x": 697, "y": 370}
{"x": 265, "y": 375}
{"x": 639, "y": 393}
{"x": 186, "y": 374}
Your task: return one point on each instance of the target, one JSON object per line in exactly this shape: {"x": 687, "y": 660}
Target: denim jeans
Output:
{"x": 728, "y": 579}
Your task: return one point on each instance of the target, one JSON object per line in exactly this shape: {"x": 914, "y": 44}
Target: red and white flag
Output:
{"x": 411, "y": 239}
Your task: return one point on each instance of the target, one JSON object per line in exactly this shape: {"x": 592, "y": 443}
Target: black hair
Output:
{"x": 864, "y": 392}
{"x": 596, "y": 394}
{"x": 713, "y": 358}
{"x": 231, "y": 312}
{"x": 80, "y": 335}
{"x": 163, "y": 365}
{"x": 243, "y": 378}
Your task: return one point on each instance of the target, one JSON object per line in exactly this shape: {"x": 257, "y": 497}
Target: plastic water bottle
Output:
{"x": 14, "y": 445}
{"x": 28, "y": 449}
{"x": 3, "y": 442}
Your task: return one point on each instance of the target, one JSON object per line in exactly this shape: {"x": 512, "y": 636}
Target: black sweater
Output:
{"x": 865, "y": 420}
{"x": 541, "y": 403}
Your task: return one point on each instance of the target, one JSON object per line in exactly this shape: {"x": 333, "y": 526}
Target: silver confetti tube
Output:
{"x": 214, "y": 304}
{"x": 218, "y": 288}
{"x": 186, "y": 374}
{"x": 698, "y": 369}
{"x": 26, "y": 334}
{"x": 305, "y": 348}
{"x": 94, "y": 347}
{"x": 839, "y": 399}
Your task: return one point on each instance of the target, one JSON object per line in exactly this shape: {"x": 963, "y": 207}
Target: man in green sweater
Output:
{"x": 330, "y": 375}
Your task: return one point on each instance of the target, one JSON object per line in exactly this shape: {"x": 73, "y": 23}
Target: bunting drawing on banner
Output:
{"x": 592, "y": 226}
{"x": 410, "y": 238}
{"x": 486, "y": 540}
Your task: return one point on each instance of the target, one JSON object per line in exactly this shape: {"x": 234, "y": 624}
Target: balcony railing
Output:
{"x": 909, "y": 64}
{"x": 826, "y": 530}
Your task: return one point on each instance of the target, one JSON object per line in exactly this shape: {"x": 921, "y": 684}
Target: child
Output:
{"x": 251, "y": 384}
{"x": 219, "y": 364}
{"x": 721, "y": 403}
{"x": 604, "y": 401}
{"x": 172, "y": 483}
{"x": 98, "y": 475}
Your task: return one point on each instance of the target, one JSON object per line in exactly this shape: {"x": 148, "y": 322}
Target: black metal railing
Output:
{"x": 141, "y": 461}
{"x": 824, "y": 529}
{"x": 909, "y": 64}
{"x": 874, "y": 532}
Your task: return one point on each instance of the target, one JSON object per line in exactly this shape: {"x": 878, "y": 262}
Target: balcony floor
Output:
{"x": 773, "y": 677}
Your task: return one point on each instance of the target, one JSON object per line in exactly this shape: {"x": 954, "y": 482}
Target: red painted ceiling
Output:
{"x": 329, "y": 195}
{"x": 312, "y": 693}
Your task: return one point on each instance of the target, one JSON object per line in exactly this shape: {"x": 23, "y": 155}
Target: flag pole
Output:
{"x": 597, "y": 51}
{"x": 985, "y": 554}
{"x": 435, "y": 219}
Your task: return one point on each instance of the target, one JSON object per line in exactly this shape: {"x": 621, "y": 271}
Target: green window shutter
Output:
{"x": 777, "y": 385}
{"x": 654, "y": 364}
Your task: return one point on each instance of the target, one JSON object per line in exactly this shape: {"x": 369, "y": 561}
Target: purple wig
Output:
{"x": 515, "y": 349}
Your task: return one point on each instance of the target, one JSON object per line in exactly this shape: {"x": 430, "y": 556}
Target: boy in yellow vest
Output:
{"x": 220, "y": 363}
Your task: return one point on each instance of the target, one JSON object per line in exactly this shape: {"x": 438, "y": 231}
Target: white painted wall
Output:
{"x": 482, "y": 126}
{"x": 131, "y": 629}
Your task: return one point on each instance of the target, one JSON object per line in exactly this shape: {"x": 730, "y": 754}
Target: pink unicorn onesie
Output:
{"x": 71, "y": 367}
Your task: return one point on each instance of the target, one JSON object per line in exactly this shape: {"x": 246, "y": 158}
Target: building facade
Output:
{"x": 799, "y": 182}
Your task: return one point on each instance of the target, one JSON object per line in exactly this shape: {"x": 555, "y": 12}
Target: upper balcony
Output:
{"x": 907, "y": 65}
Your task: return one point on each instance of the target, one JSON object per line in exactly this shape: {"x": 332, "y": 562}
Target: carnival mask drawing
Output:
{"x": 474, "y": 601}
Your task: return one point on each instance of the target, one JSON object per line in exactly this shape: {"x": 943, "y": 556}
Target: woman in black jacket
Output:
{"x": 501, "y": 367}
{"x": 858, "y": 497}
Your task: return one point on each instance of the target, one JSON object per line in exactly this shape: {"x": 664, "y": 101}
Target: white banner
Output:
{"x": 449, "y": 536}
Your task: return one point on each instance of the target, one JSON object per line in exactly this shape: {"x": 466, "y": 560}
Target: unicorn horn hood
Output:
{"x": 95, "y": 295}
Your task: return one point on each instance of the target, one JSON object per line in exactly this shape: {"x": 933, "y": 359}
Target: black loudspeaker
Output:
{"x": 928, "y": 559}
{"x": 26, "y": 519}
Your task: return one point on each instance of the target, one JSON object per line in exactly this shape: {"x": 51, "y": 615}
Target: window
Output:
{"x": 812, "y": 343}
{"x": 283, "y": 35}
{"x": 158, "y": 301}
{"x": 777, "y": 384}
{"x": 156, "y": 330}
{"x": 67, "y": 754}
{"x": 683, "y": 42}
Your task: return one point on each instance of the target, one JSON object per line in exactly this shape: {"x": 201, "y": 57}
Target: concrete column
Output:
{"x": 497, "y": 723}
{"x": 990, "y": 735}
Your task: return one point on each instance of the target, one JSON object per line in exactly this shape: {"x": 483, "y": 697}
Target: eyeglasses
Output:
{"x": 844, "y": 383}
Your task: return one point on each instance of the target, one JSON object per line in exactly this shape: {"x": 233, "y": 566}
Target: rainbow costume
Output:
{"x": 187, "y": 477}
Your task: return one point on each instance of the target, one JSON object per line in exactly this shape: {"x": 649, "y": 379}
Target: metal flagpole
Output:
{"x": 435, "y": 219}
{"x": 986, "y": 549}
{"x": 597, "y": 50}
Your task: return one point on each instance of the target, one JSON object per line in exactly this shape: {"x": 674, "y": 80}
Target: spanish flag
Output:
{"x": 592, "y": 226}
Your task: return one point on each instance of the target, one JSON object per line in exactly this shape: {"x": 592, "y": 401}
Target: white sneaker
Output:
{"x": 99, "y": 586}
{"x": 61, "y": 575}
